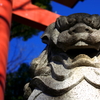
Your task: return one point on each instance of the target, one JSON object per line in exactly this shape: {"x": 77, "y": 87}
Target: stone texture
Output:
{"x": 69, "y": 67}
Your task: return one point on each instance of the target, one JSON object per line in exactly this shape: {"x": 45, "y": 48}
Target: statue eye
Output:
{"x": 93, "y": 21}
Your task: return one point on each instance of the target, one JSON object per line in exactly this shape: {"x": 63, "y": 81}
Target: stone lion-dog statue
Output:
{"x": 69, "y": 66}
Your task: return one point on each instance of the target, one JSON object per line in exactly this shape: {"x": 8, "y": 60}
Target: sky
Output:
{"x": 26, "y": 51}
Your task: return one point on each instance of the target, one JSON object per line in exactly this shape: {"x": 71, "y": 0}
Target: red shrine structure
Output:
{"x": 25, "y": 12}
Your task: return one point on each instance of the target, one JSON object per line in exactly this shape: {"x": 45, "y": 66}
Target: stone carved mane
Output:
{"x": 69, "y": 67}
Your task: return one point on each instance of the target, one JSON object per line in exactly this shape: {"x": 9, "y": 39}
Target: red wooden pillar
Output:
{"x": 5, "y": 20}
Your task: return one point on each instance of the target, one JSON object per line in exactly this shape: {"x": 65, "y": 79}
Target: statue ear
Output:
{"x": 47, "y": 34}
{"x": 45, "y": 38}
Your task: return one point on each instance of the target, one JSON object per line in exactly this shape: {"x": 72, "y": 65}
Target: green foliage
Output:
{"x": 45, "y": 4}
{"x": 21, "y": 30}
{"x": 24, "y": 31}
{"x": 15, "y": 83}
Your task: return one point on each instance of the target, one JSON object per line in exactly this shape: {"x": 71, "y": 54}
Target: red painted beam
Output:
{"x": 5, "y": 20}
{"x": 69, "y": 3}
{"x": 29, "y": 14}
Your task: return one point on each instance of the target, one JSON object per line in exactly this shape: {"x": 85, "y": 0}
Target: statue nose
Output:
{"x": 80, "y": 30}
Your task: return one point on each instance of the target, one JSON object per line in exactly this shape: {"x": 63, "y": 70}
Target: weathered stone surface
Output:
{"x": 69, "y": 67}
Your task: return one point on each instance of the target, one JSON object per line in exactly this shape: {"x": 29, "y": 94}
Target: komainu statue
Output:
{"x": 69, "y": 66}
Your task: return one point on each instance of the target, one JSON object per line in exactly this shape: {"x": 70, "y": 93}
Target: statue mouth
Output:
{"x": 90, "y": 52}
{"x": 82, "y": 54}
{"x": 82, "y": 47}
